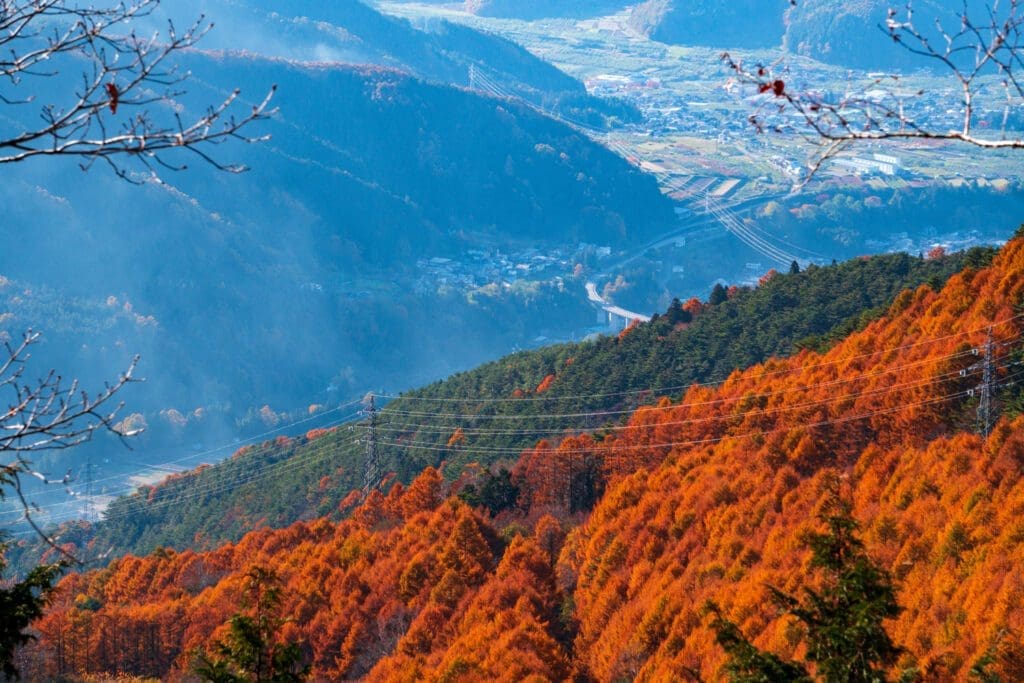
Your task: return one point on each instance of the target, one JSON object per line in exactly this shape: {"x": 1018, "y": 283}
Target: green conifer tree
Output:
{"x": 843, "y": 622}
{"x": 251, "y": 652}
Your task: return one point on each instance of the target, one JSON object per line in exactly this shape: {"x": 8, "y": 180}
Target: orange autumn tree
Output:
{"x": 741, "y": 468}
{"x": 252, "y": 649}
{"x": 842, "y": 622}
{"x": 708, "y": 498}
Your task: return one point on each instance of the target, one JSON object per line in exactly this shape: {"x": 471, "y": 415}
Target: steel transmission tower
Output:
{"x": 987, "y": 412}
{"x": 371, "y": 469}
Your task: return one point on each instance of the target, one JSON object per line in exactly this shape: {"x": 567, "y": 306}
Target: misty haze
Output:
{"x": 510, "y": 340}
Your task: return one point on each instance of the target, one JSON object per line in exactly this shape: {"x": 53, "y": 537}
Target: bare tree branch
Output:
{"x": 48, "y": 414}
{"x": 109, "y": 115}
{"x": 981, "y": 52}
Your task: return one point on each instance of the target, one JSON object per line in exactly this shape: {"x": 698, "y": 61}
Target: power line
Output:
{"x": 172, "y": 464}
{"x": 695, "y": 442}
{"x": 714, "y": 383}
{"x": 294, "y": 463}
{"x": 134, "y": 489}
{"x": 371, "y": 466}
{"x": 758, "y": 412}
{"x": 89, "y": 511}
{"x": 718, "y": 401}
{"x": 214, "y": 487}
{"x": 731, "y": 416}
{"x": 251, "y": 476}
{"x": 371, "y": 474}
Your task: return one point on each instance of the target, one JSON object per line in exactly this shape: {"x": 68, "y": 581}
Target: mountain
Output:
{"x": 351, "y": 32}
{"x": 505, "y": 406}
{"x": 848, "y": 34}
{"x": 851, "y": 34}
{"x": 710, "y": 497}
{"x": 296, "y": 283}
{"x": 748, "y": 24}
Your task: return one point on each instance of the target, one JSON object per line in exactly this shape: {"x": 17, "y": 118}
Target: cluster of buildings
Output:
{"x": 481, "y": 267}
{"x": 884, "y": 164}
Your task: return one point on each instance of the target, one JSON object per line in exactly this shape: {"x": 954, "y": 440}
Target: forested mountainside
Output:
{"x": 484, "y": 418}
{"x": 352, "y": 32}
{"x": 839, "y": 32}
{"x": 318, "y": 243}
{"x": 724, "y": 24}
{"x": 711, "y": 497}
{"x": 852, "y": 33}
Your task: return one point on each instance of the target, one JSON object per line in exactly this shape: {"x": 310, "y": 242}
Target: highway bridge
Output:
{"x": 615, "y": 317}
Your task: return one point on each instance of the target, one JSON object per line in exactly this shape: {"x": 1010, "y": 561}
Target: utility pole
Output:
{"x": 987, "y": 413}
{"x": 371, "y": 470}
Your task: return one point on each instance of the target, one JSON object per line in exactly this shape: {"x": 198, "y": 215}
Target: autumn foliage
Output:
{"x": 707, "y": 498}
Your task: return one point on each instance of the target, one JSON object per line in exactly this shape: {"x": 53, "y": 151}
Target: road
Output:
{"x": 603, "y": 304}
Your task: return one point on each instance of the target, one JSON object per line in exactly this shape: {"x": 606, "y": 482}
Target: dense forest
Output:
{"x": 710, "y": 497}
{"x": 838, "y": 32}
{"x": 484, "y": 418}
{"x": 817, "y": 477}
{"x": 315, "y": 252}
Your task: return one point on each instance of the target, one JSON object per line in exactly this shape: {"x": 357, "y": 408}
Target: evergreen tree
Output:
{"x": 746, "y": 663}
{"x": 250, "y": 652}
{"x": 719, "y": 295}
{"x": 677, "y": 314}
{"x": 20, "y": 604}
{"x": 843, "y": 622}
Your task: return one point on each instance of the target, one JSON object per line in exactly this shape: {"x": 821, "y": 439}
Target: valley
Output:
{"x": 694, "y": 138}
{"x": 518, "y": 340}
{"x": 707, "y": 201}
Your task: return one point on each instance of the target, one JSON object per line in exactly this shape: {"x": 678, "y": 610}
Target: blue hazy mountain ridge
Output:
{"x": 852, "y": 34}
{"x": 349, "y": 31}
{"x": 734, "y": 24}
{"x": 843, "y": 32}
{"x": 264, "y": 288}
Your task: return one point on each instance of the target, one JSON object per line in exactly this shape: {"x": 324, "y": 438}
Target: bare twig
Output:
{"x": 109, "y": 115}
{"x": 980, "y": 47}
{"x": 48, "y": 414}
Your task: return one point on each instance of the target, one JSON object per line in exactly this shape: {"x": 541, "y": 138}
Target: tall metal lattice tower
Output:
{"x": 371, "y": 466}
{"x": 987, "y": 412}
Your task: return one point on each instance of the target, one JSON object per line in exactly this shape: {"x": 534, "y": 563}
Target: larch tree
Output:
{"x": 843, "y": 622}
{"x": 79, "y": 80}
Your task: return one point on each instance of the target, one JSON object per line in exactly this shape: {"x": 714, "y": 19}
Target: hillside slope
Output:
{"x": 736, "y": 474}
{"x": 708, "y": 497}
{"x": 367, "y": 171}
{"x": 746, "y": 24}
{"x": 591, "y": 384}
{"x": 349, "y": 31}
{"x": 851, "y": 34}
{"x": 838, "y": 32}
{"x": 353, "y": 32}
